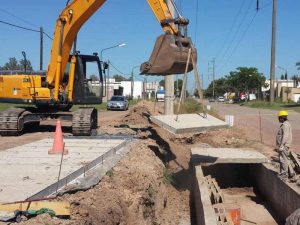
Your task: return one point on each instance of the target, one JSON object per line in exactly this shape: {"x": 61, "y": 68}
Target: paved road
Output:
{"x": 248, "y": 119}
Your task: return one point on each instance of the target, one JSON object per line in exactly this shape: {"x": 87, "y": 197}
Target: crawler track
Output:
{"x": 84, "y": 121}
{"x": 12, "y": 121}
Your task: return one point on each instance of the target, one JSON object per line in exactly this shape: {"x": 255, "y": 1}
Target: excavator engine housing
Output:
{"x": 169, "y": 56}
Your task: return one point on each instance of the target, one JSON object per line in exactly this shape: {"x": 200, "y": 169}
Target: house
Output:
{"x": 284, "y": 89}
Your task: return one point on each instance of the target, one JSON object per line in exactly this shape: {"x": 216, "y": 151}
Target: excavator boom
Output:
{"x": 79, "y": 79}
{"x": 75, "y": 15}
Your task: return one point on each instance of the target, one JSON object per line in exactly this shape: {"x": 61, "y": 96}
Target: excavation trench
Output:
{"x": 244, "y": 193}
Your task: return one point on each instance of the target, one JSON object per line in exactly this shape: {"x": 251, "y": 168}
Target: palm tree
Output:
{"x": 298, "y": 65}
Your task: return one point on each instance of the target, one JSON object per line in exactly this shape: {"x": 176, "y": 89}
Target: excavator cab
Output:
{"x": 88, "y": 82}
{"x": 169, "y": 56}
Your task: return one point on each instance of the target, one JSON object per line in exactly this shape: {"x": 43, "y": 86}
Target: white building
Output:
{"x": 137, "y": 88}
{"x": 281, "y": 86}
{"x": 123, "y": 88}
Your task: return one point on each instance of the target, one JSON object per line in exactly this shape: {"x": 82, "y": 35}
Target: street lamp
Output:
{"x": 132, "y": 83}
{"x": 101, "y": 58}
{"x": 114, "y": 46}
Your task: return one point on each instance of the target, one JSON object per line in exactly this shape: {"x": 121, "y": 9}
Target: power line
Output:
{"x": 243, "y": 35}
{"x": 237, "y": 31}
{"x": 119, "y": 71}
{"x": 25, "y": 28}
{"x": 19, "y": 18}
{"x": 240, "y": 40}
{"x": 231, "y": 28}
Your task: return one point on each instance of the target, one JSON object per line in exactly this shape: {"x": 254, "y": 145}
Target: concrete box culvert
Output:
{"x": 281, "y": 199}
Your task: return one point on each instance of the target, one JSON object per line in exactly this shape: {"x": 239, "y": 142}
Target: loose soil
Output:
{"x": 152, "y": 183}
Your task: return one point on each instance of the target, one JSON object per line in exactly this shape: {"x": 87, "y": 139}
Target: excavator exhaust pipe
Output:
{"x": 169, "y": 56}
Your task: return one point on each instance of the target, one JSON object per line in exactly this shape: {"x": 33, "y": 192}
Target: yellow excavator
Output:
{"x": 71, "y": 78}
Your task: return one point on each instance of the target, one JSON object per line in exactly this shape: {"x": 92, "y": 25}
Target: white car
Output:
{"x": 221, "y": 99}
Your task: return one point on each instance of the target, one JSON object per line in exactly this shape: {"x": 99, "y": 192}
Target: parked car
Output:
{"x": 238, "y": 100}
{"x": 221, "y": 99}
{"x": 118, "y": 103}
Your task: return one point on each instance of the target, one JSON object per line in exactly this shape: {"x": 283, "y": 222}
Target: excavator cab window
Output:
{"x": 88, "y": 85}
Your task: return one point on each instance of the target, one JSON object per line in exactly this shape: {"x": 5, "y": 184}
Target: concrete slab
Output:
{"x": 28, "y": 169}
{"x": 206, "y": 156}
{"x": 188, "y": 123}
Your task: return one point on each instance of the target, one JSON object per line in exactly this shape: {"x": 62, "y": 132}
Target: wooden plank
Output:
{"x": 60, "y": 208}
{"x": 296, "y": 161}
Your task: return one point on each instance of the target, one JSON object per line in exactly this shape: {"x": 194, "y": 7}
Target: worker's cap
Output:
{"x": 282, "y": 113}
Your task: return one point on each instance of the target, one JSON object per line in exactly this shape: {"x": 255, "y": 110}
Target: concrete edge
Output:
{"x": 50, "y": 190}
{"x": 163, "y": 125}
{"x": 187, "y": 130}
{"x": 205, "y": 214}
{"x": 283, "y": 197}
{"x": 202, "y": 160}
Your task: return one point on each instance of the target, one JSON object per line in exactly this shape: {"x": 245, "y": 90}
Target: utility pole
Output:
{"x": 211, "y": 73}
{"x": 169, "y": 81}
{"x": 132, "y": 81}
{"x": 41, "y": 47}
{"x": 273, "y": 53}
{"x": 107, "y": 86}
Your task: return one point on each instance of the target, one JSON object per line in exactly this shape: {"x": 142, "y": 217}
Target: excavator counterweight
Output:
{"x": 169, "y": 56}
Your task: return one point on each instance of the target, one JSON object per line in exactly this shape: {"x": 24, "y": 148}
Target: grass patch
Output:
{"x": 275, "y": 106}
{"x": 188, "y": 107}
{"x": 168, "y": 176}
{"x": 4, "y": 106}
{"x": 148, "y": 200}
{"x": 193, "y": 106}
{"x": 110, "y": 173}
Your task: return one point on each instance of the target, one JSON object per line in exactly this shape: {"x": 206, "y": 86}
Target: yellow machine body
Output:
{"x": 24, "y": 88}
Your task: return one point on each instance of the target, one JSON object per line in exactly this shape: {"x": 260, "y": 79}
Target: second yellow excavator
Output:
{"x": 71, "y": 79}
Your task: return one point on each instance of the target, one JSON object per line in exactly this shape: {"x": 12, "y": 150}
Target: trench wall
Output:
{"x": 284, "y": 198}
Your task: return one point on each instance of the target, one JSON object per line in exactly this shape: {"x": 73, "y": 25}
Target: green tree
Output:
{"x": 298, "y": 65}
{"x": 296, "y": 80}
{"x": 245, "y": 79}
{"x": 196, "y": 94}
{"x": 219, "y": 87}
{"x": 13, "y": 64}
{"x": 180, "y": 82}
{"x": 94, "y": 77}
{"x": 26, "y": 63}
{"x": 120, "y": 78}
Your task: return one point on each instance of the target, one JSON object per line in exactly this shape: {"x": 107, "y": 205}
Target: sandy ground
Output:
{"x": 151, "y": 184}
{"x": 259, "y": 124}
{"x": 254, "y": 210}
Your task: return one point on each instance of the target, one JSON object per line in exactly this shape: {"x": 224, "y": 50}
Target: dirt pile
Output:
{"x": 137, "y": 115}
{"x": 150, "y": 185}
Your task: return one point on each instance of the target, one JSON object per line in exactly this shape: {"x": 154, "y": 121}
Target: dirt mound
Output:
{"x": 137, "y": 115}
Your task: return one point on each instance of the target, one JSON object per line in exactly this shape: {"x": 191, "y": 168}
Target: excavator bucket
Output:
{"x": 169, "y": 56}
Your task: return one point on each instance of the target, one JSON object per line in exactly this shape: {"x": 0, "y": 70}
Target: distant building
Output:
{"x": 123, "y": 88}
{"x": 284, "y": 89}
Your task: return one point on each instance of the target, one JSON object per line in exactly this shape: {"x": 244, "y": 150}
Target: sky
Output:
{"x": 232, "y": 32}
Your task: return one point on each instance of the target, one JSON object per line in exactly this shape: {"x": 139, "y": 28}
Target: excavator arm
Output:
{"x": 71, "y": 20}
